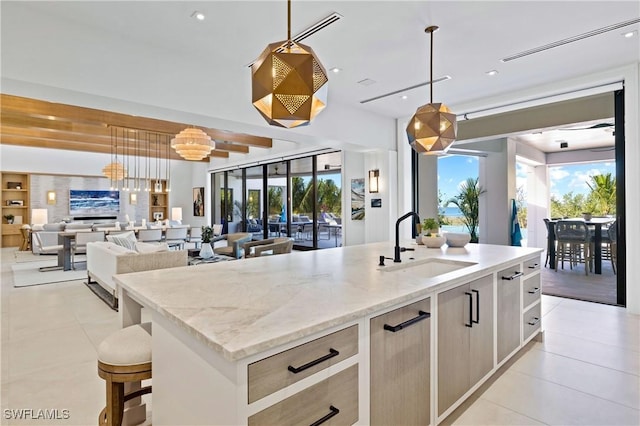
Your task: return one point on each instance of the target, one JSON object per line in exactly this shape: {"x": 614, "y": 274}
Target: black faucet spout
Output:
{"x": 397, "y": 249}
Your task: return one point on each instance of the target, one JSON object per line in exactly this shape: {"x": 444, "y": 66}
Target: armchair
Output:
{"x": 234, "y": 247}
{"x": 273, "y": 245}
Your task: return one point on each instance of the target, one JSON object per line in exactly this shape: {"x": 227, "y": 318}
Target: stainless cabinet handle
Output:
{"x": 534, "y": 321}
{"x": 534, "y": 266}
{"x": 514, "y": 276}
{"x": 534, "y": 290}
{"x": 334, "y": 412}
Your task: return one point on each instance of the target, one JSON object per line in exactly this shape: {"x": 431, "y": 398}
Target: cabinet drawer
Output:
{"x": 531, "y": 265}
{"x": 531, "y": 321}
{"x": 333, "y": 401}
{"x": 281, "y": 370}
{"x": 531, "y": 290}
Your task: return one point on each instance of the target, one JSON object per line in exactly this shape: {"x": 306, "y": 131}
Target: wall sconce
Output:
{"x": 373, "y": 180}
{"x": 176, "y": 214}
{"x": 133, "y": 198}
{"x": 51, "y": 197}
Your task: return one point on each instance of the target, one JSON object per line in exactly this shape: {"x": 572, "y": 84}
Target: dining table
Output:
{"x": 596, "y": 223}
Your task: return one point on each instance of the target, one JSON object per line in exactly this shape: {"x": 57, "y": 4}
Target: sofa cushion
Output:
{"x": 55, "y": 227}
{"x": 142, "y": 247}
{"x": 125, "y": 239}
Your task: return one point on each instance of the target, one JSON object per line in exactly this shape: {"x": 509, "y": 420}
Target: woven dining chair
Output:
{"x": 573, "y": 240}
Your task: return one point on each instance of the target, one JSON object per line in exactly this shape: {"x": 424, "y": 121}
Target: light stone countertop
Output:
{"x": 244, "y": 307}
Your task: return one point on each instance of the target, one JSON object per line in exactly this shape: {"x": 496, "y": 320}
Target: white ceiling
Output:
{"x": 154, "y": 53}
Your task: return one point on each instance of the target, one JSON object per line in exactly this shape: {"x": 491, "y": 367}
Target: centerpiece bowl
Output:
{"x": 457, "y": 239}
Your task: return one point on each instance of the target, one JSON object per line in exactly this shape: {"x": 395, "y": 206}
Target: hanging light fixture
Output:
{"x": 115, "y": 171}
{"x": 433, "y": 127}
{"x": 192, "y": 144}
{"x": 289, "y": 84}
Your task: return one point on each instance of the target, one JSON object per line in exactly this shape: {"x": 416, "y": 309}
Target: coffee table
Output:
{"x": 197, "y": 260}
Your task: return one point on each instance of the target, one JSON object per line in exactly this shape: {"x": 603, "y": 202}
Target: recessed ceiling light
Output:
{"x": 335, "y": 70}
{"x": 403, "y": 97}
{"x": 492, "y": 72}
{"x": 630, "y": 34}
{"x": 198, "y": 15}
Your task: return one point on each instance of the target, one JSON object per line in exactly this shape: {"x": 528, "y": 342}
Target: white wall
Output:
{"x": 379, "y": 220}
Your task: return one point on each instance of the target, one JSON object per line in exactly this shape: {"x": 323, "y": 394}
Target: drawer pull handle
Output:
{"x": 334, "y": 412}
{"x": 477, "y": 320}
{"x": 534, "y": 321}
{"x": 534, "y": 290}
{"x": 393, "y": 328}
{"x": 534, "y": 266}
{"x": 470, "y": 325}
{"x": 331, "y": 354}
{"x": 513, "y": 277}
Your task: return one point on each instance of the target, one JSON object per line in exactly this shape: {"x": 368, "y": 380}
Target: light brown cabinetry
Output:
{"x": 333, "y": 401}
{"x": 159, "y": 202}
{"x": 531, "y": 290}
{"x": 400, "y": 366}
{"x": 285, "y": 368}
{"x": 508, "y": 325}
{"x": 465, "y": 339}
{"x": 15, "y": 201}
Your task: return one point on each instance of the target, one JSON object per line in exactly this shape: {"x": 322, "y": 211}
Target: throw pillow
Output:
{"x": 142, "y": 247}
{"x": 118, "y": 249}
{"x": 125, "y": 239}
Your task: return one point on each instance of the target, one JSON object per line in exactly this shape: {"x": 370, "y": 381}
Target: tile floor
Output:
{"x": 585, "y": 372}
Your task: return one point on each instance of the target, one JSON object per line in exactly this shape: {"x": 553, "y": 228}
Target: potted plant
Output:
{"x": 468, "y": 201}
{"x": 430, "y": 226}
{"x": 206, "y": 251}
{"x": 9, "y": 218}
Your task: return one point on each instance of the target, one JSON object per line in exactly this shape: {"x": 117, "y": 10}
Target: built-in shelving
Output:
{"x": 159, "y": 202}
{"x": 15, "y": 201}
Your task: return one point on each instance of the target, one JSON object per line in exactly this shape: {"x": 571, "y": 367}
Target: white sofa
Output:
{"x": 106, "y": 259}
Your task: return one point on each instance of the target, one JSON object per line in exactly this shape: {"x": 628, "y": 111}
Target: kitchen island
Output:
{"x": 331, "y": 336}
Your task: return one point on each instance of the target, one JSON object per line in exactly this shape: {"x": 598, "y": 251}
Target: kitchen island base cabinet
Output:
{"x": 333, "y": 401}
{"x": 465, "y": 339}
{"x": 508, "y": 311}
{"x": 400, "y": 366}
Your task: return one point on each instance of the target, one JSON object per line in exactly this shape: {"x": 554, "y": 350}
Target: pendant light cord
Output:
{"x": 289, "y": 23}
{"x": 431, "y": 70}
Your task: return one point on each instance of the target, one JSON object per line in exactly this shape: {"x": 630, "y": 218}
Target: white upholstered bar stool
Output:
{"x": 124, "y": 357}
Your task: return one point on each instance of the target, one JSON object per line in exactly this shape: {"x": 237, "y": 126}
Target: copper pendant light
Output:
{"x": 288, "y": 82}
{"x": 433, "y": 127}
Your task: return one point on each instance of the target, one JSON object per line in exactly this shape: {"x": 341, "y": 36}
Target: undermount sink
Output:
{"x": 428, "y": 267}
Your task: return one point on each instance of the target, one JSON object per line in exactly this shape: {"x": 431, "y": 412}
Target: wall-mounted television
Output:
{"x": 98, "y": 202}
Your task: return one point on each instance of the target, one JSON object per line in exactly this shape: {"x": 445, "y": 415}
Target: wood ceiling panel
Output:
{"x": 31, "y": 122}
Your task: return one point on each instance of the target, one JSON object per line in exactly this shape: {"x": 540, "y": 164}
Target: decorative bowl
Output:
{"x": 433, "y": 242}
{"x": 457, "y": 239}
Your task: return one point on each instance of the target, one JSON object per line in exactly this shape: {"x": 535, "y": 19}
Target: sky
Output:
{"x": 455, "y": 169}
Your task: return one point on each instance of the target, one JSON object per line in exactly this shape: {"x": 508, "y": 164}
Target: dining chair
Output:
{"x": 549, "y": 242}
{"x": 150, "y": 235}
{"x": 176, "y": 236}
{"x": 573, "y": 240}
{"x": 612, "y": 241}
{"x": 37, "y": 240}
{"x": 195, "y": 236}
{"x": 79, "y": 245}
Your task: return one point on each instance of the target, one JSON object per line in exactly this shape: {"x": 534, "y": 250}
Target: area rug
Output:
{"x": 27, "y": 274}
{"x": 27, "y": 256}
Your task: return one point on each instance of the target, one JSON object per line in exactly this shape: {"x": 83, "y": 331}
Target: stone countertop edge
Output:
{"x": 141, "y": 286}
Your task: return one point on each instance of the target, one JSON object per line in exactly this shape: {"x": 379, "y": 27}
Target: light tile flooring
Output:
{"x": 585, "y": 372}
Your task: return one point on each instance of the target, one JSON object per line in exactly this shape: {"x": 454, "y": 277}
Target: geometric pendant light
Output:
{"x": 433, "y": 127}
{"x": 289, "y": 84}
{"x": 192, "y": 144}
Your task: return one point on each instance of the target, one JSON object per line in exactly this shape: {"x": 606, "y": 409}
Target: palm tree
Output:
{"x": 468, "y": 201}
{"x": 603, "y": 194}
